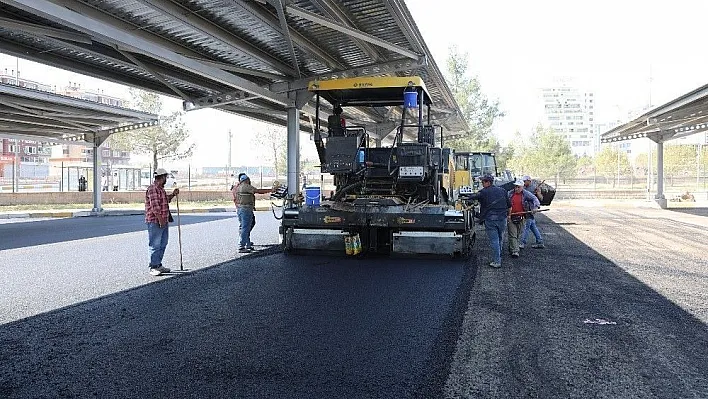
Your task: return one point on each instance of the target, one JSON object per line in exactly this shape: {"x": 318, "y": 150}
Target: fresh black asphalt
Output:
{"x": 263, "y": 325}
{"x": 614, "y": 307}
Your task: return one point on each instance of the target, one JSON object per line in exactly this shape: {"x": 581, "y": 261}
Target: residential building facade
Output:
{"x": 571, "y": 113}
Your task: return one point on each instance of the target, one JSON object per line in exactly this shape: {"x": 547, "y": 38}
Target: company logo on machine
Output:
{"x": 363, "y": 84}
{"x": 402, "y": 220}
{"x": 332, "y": 219}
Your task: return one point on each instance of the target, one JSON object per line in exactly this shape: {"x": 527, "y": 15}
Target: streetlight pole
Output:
{"x": 618, "y": 166}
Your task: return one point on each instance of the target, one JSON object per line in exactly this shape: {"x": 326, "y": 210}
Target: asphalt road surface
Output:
{"x": 616, "y": 306}
{"x": 259, "y": 325}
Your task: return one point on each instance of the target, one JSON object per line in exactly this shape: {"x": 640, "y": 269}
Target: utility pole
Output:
{"x": 229, "y": 160}
{"x": 651, "y": 79}
{"x": 228, "y": 166}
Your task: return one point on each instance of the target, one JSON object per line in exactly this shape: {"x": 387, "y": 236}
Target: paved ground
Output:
{"x": 615, "y": 306}
{"x": 84, "y": 319}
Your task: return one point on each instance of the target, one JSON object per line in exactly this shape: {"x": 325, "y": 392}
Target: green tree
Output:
{"x": 477, "y": 110}
{"x": 585, "y": 166}
{"x": 165, "y": 141}
{"x": 547, "y": 155}
{"x": 679, "y": 160}
{"x": 611, "y": 162}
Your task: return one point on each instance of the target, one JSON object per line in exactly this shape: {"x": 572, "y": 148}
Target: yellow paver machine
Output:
{"x": 395, "y": 199}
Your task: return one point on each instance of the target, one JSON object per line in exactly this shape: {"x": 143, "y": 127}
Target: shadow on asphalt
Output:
{"x": 691, "y": 211}
{"x": 39, "y": 232}
{"x": 567, "y": 322}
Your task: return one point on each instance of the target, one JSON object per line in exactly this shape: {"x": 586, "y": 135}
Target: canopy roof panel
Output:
{"x": 683, "y": 116}
{"x": 249, "y": 57}
{"x": 47, "y": 116}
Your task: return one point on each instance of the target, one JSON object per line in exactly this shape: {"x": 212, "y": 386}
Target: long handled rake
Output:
{"x": 179, "y": 236}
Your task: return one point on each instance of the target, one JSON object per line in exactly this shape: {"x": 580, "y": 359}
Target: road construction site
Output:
{"x": 614, "y": 306}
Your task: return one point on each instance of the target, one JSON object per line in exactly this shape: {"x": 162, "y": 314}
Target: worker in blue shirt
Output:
{"x": 495, "y": 209}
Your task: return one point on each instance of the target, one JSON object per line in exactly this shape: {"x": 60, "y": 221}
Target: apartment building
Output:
{"x": 571, "y": 113}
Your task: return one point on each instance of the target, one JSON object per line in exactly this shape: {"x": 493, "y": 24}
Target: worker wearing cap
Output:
{"x": 234, "y": 192}
{"x": 530, "y": 224}
{"x": 246, "y": 197}
{"x": 157, "y": 218}
{"x": 522, "y": 202}
{"x": 494, "y": 210}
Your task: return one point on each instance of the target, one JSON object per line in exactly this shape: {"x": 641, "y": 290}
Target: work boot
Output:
{"x": 514, "y": 254}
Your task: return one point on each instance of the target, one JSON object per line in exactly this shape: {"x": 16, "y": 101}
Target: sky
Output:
{"x": 514, "y": 48}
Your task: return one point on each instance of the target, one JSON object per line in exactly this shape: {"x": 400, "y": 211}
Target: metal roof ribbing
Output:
{"x": 682, "y": 116}
{"x": 208, "y": 48}
{"x": 58, "y": 118}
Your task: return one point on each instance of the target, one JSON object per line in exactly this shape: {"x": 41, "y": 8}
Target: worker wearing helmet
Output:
{"x": 495, "y": 207}
{"x": 246, "y": 195}
{"x": 522, "y": 203}
{"x": 157, "y": 217}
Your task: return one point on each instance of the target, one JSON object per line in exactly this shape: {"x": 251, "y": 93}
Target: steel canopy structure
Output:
{"x": 37, "y": 115}
{"x": 683, "y": 116}
{"x": 249, "y": 57}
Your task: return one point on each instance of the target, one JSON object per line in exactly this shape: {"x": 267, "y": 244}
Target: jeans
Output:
{"x": 531, "y": 225}
{"x": 157, "y": 242}
{"x": 495, "y": 232}
{"x": 245, "y": 220}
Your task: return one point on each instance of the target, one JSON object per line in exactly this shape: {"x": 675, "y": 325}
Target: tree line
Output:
{"x": 547, "y": 154}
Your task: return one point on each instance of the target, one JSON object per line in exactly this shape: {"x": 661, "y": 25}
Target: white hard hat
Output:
{"x": 161, "y": 171}
{"x": 519, "y": 183}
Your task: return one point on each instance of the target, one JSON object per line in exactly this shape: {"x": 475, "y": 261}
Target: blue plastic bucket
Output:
{"x": 410, "y": 99}
{"x": 312, "y": 196}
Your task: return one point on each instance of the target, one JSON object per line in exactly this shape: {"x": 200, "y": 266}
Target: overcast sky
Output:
{"x": 515, "y": 48}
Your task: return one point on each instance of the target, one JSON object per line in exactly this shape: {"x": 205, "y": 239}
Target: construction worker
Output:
{"x": 245, "y": 195}
{"x": 530, "y": 224}
{"x": 157, "y": 217}
{"x": 522, "y": 202}
{"x": 495, "y": 207}
{"x": 234, "y": 192}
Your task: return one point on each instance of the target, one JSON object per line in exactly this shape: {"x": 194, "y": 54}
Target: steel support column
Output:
{"x": 293, "y": 150}
{"x": 660, "y": 198}
{"x": 97, "y": 179}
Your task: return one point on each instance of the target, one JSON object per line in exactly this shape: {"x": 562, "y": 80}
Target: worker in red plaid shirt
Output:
{"x": 157, "y": 218}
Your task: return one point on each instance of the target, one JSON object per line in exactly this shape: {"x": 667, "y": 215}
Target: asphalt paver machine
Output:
{"x": 394, "y": 199}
